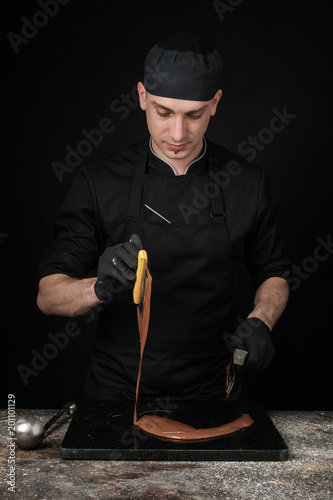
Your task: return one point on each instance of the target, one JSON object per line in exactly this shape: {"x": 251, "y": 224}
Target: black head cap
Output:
{"x": 183, "y": 67}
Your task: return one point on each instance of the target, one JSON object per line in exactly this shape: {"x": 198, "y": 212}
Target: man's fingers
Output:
{"x": 125, "y": 261}
{"x": 135, "y": 239}
{"x": 124, "y": 276}
{"x": 128, "y": 253}
{"x": 120, "y": 262}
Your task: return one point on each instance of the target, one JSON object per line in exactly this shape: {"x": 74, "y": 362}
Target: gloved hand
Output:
{"x": 253, "y": 335}
{"x": 117, "y": 268}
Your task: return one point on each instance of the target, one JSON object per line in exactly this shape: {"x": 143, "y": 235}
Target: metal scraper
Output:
{"x": 238, "y": 359}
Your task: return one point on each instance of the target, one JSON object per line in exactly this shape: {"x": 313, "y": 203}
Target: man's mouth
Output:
{"x": 176, "y": 147}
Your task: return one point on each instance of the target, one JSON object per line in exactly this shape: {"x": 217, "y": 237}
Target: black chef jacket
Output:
{"x": 94, "y": 212}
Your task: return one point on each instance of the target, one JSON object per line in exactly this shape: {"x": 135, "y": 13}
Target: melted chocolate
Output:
{"x": 166, "y": 428}
{"x": 172, "y": 430}
{"x": 143, "y": 322}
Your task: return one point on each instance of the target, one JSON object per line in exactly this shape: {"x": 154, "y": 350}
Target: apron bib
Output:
{"x": 191, "y": 307}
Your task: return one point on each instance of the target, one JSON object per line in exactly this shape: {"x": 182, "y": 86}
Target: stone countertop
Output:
{"x": 307, "y": 475}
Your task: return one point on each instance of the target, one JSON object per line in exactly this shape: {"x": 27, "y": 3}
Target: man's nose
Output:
{"x": 178, "y": 130}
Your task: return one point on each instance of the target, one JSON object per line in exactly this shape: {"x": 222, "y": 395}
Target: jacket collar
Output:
{"x": 158, "y": 166}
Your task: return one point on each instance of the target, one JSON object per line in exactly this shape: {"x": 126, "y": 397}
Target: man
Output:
{"x": 199, "y": 211}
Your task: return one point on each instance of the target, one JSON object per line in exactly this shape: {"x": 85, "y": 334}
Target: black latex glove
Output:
{"x": 117, "y": 268}
{"x": 253, "y": 335}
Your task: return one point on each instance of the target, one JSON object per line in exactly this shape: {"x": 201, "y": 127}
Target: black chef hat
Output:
{"x": 182, "y": 67}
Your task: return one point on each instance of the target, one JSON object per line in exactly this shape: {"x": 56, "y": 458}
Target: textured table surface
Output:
{"x": 307, "y": 474}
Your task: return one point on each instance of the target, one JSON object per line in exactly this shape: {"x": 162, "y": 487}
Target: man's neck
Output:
{"x": 179, "y": 165}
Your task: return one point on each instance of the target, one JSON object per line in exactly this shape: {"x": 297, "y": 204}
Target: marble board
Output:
{"x": 104, "y": 430}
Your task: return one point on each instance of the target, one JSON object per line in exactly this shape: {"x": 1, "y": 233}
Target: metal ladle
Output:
{"x": 29, "y": 431}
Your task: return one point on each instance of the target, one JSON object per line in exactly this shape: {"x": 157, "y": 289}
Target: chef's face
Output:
{"x": 177, "y": 126}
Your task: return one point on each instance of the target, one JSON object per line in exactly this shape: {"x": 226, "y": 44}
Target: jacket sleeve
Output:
{"x": 77, "y": 243}
{"x": 265, "y": 253}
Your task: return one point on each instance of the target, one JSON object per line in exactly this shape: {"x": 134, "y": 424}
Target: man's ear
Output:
{"x": 142, "y": 96}
{"x": 215, "y": 102}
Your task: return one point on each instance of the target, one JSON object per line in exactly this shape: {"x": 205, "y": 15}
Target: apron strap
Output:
{"x": 218, "y": 212}
{"x": 135, "y": 201}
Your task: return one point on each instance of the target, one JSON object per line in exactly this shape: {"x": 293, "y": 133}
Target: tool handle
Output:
{"x": 141, "y": 275}
{"x": 240, "y": 356}
{"x": 68, "y": 406}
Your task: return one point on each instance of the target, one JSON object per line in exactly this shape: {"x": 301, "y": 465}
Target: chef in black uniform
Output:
{"x": 199, "y": 211}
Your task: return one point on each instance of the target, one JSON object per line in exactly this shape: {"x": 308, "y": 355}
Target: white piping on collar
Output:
{"x": 174, "y": 171}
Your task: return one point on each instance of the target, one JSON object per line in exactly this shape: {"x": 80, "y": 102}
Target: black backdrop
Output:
{"x": 75, "y": 69}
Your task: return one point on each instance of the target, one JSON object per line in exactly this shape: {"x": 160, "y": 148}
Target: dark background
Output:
{"x": 66, "y": 78}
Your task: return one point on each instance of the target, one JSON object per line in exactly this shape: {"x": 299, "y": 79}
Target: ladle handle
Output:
{"x": 61, "y": 412}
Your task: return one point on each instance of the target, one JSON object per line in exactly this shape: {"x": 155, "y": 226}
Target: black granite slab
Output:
{"x": 104, "y": 430}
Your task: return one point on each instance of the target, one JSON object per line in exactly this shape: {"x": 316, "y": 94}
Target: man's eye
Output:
{"x": 163, "y": 115}
{"x": 195, "y": 117}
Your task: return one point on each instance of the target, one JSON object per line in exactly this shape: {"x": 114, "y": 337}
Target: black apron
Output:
{"x": 191, "y": 307}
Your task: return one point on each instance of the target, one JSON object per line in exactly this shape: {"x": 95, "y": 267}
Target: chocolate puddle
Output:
{"x": 172, "y": 430}
{"x": 165, "y": 428}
